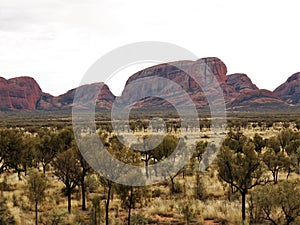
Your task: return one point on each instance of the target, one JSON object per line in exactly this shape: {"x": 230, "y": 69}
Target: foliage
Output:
{"x": 5, "y": 216}
{"x": 283, "y": 208}
{"x": 275, "y": 161}
{"x": 36, "y": 187}
{"x": 259, "y": 142}
{"x": 138, "y": 219}
{"x": 67, "y": 169}
{"x": 242, "y": 170}
{"x": 11, "y": 149}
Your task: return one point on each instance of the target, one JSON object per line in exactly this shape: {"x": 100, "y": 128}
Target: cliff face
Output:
{"x": 105, "y": 98}
{"x": 290, "y": 90}
{"x": 24, "y": 93}
{"x": 237, "y": 89}
{"x": 160, "y": 86}
{"x": 21, "y": 93}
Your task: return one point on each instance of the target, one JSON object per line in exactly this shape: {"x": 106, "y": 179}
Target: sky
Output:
{"x": 56, "y": 41}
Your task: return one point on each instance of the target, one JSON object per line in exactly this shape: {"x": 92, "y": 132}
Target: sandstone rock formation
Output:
{"x": 290, "y": 90}
{"x": 21, "y": 93}
{"x": 179, "y": 84}
{"x": 236, "y": 89}
{"x": 105, "y": 98}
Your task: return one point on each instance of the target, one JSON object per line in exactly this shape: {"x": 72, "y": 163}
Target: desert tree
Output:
{"x": 275, "y": 161}
{"x": 67, "y": 168}
{"x": 28, "y": 155}
{"x": 148, "y": 150}
{"x": 110, "y": 170}
{"x": 259, "y": 142}
{"x": 276, "y": 204}
{"x": 163, "y": 151}
{"x": 130, "y": 196}
{"x": 11, "y": 150}
{"x": 85, "y": 170}
{"x": 235, "y": 140}
{"x": 36, "y": 188}
{"x": 241, "y": 169}
{"x": 66, "y": 138}
{"x": 284, "y": 137}
{"x": 48, "y": 144}
{"x": 274, "y": 144}
{"x": 200, "y": 149}
{"x": 287, "y": 142}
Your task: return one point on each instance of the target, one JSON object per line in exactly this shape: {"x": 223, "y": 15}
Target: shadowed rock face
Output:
{"x": 290, "y": 90}
{"x": 240, "y": 82}
{"x": 21, "y": 93}
{"x": 105, "y": 98}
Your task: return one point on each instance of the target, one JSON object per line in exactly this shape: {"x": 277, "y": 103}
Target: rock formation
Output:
{"x": 21, "y": 93}
{"x": 290, "y": 90}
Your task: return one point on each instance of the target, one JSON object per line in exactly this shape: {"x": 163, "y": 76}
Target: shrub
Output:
{"x": 91, "y": 183}
{"x": 5, "y": 216}
{"x": 156, "y": 193}
{"x": 138, "y": 219}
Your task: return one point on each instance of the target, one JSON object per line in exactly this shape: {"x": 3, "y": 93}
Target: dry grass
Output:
{"x": 162, "y": 207}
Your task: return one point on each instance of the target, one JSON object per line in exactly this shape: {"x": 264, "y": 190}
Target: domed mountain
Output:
{"x": 290, "y": 90}
{"x": 21, "y": 93}
{"x": 183, "y": 83}
{"x": 237, "y": 89}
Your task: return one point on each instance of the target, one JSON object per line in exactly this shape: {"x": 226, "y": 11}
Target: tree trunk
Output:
{"x": 146, "y": 165}
{"x": 243, "y": 206}
{"x": 44, "y": 168}
{"x": 69, "y": 202}
{"x": 107, "y": 203}
{"x": 25, "y": 170}
{"x": 173, "y": 185}
{"x": 130, "y": 204}
{"x": 19, "y": 174}
{"x": 275, "y": 176}
{"x": 83, "y": 207}
{"x": 36, "y": 213}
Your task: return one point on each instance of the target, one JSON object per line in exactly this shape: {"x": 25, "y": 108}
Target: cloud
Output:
{"x": 57, "y": 40}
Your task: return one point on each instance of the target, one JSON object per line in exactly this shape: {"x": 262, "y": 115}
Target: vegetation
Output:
{"x": 36, "y": 185}
{"x": 255, "y": 178}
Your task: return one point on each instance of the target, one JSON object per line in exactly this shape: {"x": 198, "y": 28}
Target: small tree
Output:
{"x": 281, "y": 208}
{"x": 36, "y": 187}
{"x": 275, "y": 162}
{"x": 95, "y": 216}
{"x": 242, "y": 170}
{"x": 259, "y": 142}
{"x": 11, "y": 150}
{"x": 67, "y": 169}
{"x": 48, "y": 145}
{"x": 200, "y": 149}
{"x": 85, "y": 169}
{"x": 129, "y": 196}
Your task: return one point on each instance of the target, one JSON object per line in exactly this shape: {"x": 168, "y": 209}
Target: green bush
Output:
{"x": 91, "y": 183}
{"x": 156, "y": 193}
{"x": 138, "y": 219}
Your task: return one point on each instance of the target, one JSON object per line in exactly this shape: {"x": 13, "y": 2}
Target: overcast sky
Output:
{"x": 56, "y": 41}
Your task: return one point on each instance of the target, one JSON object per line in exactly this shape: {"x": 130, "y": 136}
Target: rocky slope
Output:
{"x": 21, "y": 93}
{"x": 290, "y": 90}
{"x": 237, "y": 89}
{"x": 182, "y": 83}
{"x": 105, "y": 98}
